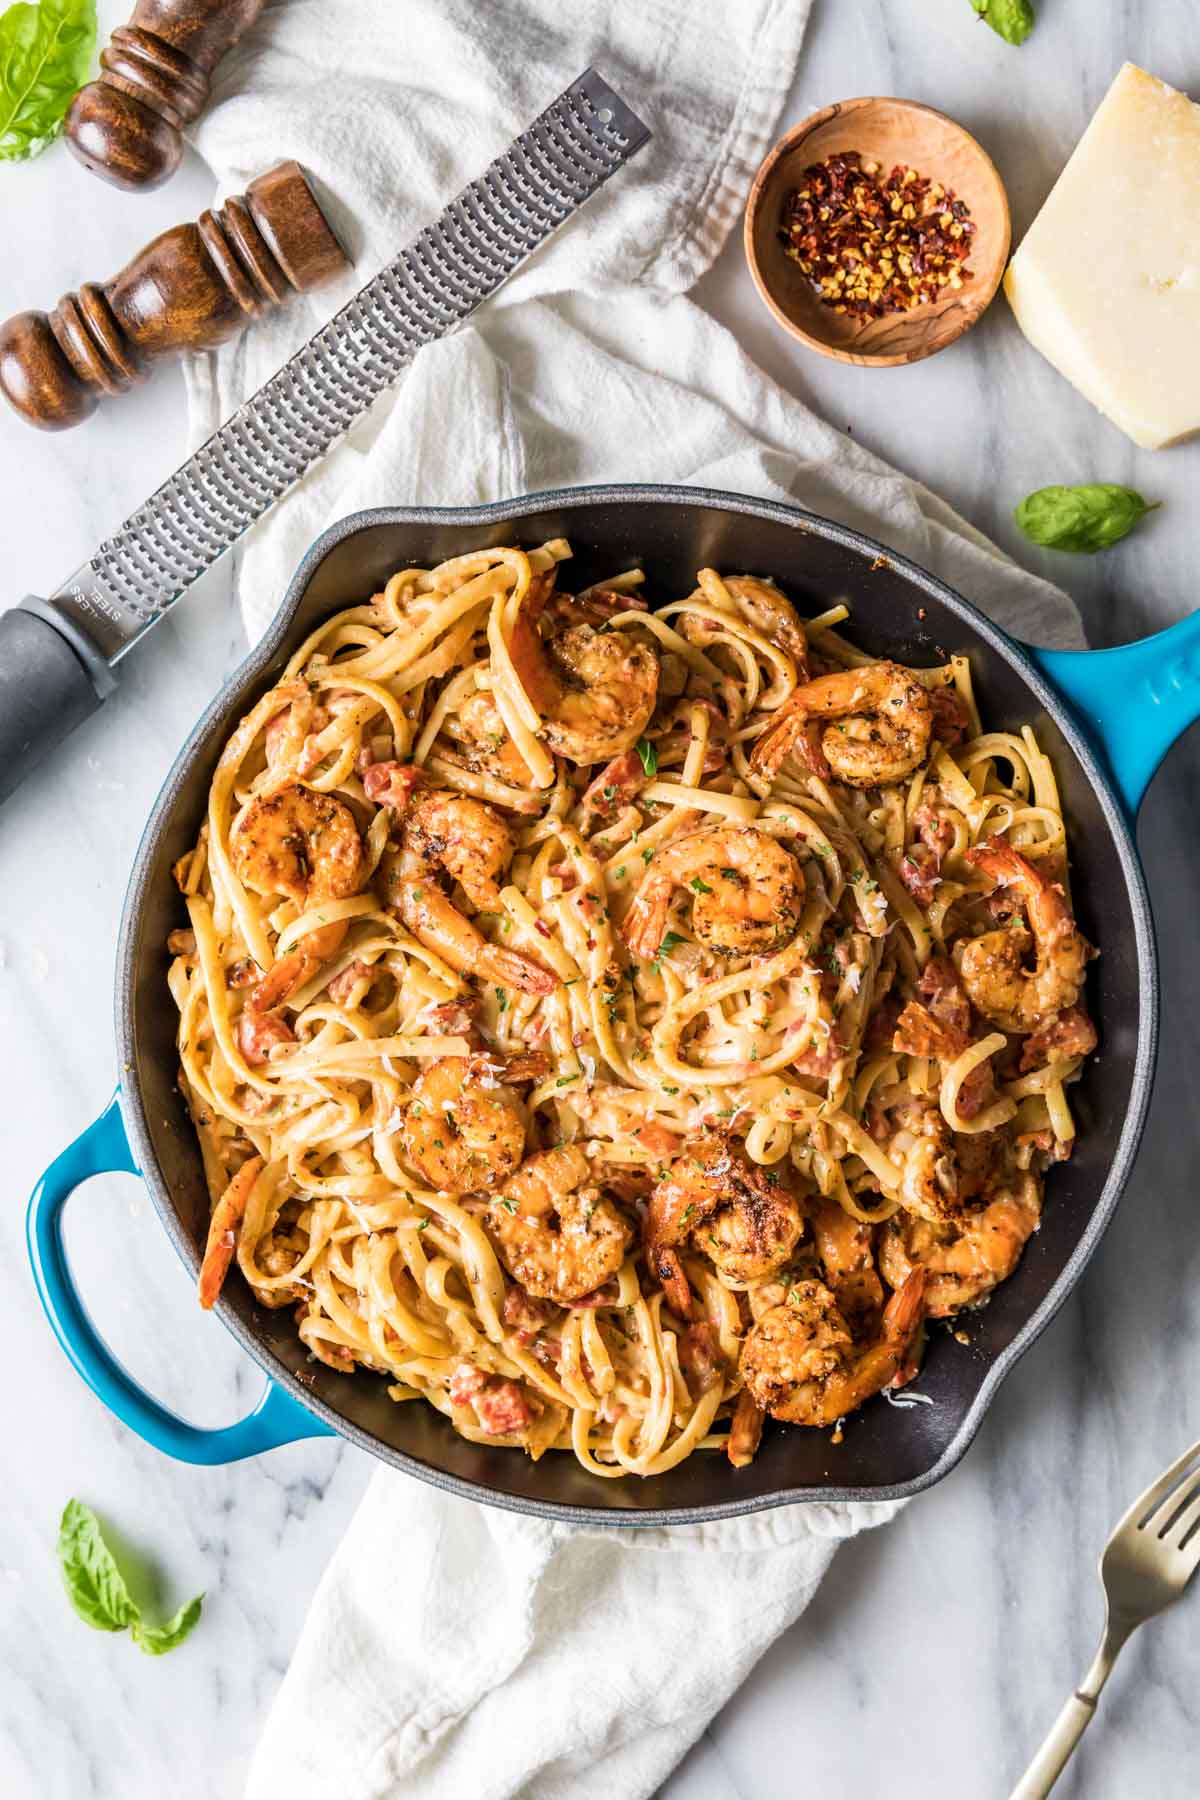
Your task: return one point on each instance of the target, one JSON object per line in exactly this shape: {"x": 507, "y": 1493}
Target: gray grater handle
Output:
{"x": 437, "y": 282}
{"x": 50, "y": 682}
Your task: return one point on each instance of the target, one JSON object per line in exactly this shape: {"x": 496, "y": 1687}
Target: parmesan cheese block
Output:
{"x": 1106, "y": 283}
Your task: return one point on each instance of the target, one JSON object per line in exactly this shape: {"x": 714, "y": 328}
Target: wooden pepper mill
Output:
{"x": 127, "y": 125}
{"x": 190, "y": 289}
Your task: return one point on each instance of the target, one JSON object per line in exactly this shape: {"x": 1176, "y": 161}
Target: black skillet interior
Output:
{"x": 897, "y": 611}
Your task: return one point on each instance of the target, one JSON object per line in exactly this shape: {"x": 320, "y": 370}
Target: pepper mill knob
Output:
{"x": 192, "y": 288}
{"x": 127, "y": 125}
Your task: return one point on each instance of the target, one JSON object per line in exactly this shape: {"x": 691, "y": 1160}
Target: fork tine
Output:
{"x": 1147, "y": 1506}
{"x": 1167, "y": 1517}
{"x": 1176, "y": 1534}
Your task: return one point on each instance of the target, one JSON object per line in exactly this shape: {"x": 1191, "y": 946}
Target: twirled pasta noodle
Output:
{"x": 309, "y": 1108}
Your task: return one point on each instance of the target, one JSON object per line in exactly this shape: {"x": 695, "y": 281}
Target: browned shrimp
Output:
{"x": 745, "y": 890}
{"x": 764, "y": 607}
{"x": 554, "y": 1230}
{"x": 993, "y": 968}
{"x": 964, "y": 1259}
{"x": 802, "y": 1365}
{"x": 846, "y": 1246}
{"x": 884, "y": 720}
{"x": 738, "y": 1214}
{"x": 450, "y": 834}
{"x": 304, "y": 844}
{"x": 595, "y": 690}
{"x": 485, "y": 746}
{"x": 465, "y": 1125}
{"x": 223, "y": 1230}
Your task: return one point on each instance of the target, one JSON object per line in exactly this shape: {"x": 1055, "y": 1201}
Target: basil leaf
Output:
{"x": 1010, "y": 19}
{"x": 45, "y": 54}
{"x": 95, "y": 1586}
{"x": 649, "y": 756}
{"x": 156, "y": 1640}
{"x": 1085, "y": 518}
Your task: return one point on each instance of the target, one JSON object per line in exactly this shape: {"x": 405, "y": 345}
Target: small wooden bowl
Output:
{"x": 887, "y": 132}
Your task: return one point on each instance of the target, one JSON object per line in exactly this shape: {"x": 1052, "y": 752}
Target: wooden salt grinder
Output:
{"x": 190, "y": 289}
{"x": 127, "y": 125}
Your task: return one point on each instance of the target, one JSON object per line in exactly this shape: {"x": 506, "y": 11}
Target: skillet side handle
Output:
{"x": 277, "y": 1419}
{"x": 1136, "y": 700}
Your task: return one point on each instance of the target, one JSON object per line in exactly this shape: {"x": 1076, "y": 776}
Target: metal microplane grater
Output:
{"x": 56, "y": 655}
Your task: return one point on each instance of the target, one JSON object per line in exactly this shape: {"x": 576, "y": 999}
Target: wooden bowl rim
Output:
{"x": 983, "y": 295}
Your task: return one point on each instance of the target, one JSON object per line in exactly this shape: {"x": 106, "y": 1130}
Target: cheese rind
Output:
{"x": 1106, "y": 283}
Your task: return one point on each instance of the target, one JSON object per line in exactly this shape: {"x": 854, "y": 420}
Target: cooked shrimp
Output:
{"x": 993, "y": 966}
{"x": 485, "y": 745}
{"x": 554, "y": 1230}
{"x": 470, "y": 842}
{"x": 883, "y": 734}
{"x": 304, "y": 844}
{"x": 223, "y": 1230}
{"x": 746, "y": 892}
{"x": 765, "y": 608}
{"x": 846, "y": 1246}
{"x": 595, "y": 690}
{"x": 740, "y": 1215}
{"x": 802, "y": 1365}
{"x": 465, "y": 1125}
{"x": 924, "y": 1149}
{"x": 966, "y": 1259}
{"x": 296, "y": 841}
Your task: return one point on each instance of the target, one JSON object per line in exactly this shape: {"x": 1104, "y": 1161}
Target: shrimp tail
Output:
{"x": 300, "y": 965}
{"x": 791, "y": 731}
{"x": 646, "y": 921}
{"x": 745, "y": 1430}
{"x": 534, "y": 1065}
{"x": 669, "y": 1270}
{"x": 223, "y": 1230}
{"x": 511, "y": 969}
{"x": 902, "y": 1323}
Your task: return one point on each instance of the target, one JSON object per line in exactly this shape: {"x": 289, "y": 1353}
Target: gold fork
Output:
{"x": 1147, "y": 1563}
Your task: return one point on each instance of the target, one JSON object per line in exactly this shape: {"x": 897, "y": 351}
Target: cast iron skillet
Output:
{"x": 899, "y": 611}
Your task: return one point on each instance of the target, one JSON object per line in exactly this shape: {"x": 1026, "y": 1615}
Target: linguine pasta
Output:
{"x": 612, "y": 1025}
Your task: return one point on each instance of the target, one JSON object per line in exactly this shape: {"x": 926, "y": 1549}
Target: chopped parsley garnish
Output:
{"x": 423, "y": 1224}
{"x": 649, "y": 756}
{"x": 647, "y": 856}
{"x": 610, "y": 792}
{"x": 566, "y": 1080}
{"x": 699, "y": 887}
{"x": 510, "y": 1206}
{"x": 620, "y": 873}
{"x": 670, "y": 942}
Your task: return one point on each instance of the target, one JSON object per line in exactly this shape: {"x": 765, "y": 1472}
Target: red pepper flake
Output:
{"x": 871, "y": 246}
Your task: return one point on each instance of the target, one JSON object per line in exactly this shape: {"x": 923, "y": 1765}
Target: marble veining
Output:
{"x": 938, "y": 1649}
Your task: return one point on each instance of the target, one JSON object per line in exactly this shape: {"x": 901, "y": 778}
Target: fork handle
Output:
{"x": 1070, "y": 1724}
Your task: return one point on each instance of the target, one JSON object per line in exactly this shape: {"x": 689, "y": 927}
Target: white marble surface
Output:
{"x": 937, "y": 1649}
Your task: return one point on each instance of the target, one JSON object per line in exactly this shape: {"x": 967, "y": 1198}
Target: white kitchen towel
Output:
{"x": 455, "y": 1650}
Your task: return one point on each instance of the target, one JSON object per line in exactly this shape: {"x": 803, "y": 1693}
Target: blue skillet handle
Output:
{"x": 1136, "y": 700}
{"x": 277, "y": 1419}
